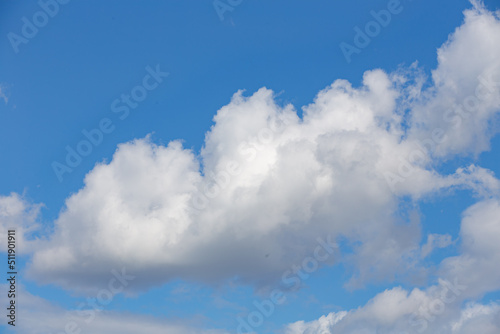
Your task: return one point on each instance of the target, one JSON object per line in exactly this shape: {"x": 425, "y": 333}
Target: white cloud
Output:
{"x": 436, "y": 241}
{"x": 397, "y": 311}
{"x": 18, "y": 214}
{"x": 320, "y": 326}
{"x": 477, "y": 266}
{"x": 283, "y": 181}
{"x": 465, "y": 96}
{"x": 443, "y": 308}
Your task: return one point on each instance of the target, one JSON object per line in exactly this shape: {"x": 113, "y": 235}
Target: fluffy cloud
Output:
{"x": 443, "y": 308}
{"x": 477, "y": 266}
{"x": 464, "y": 100}
{"x": 398, "y": 311}
{"x": 268, "y": 183}
{"x": 18, "y": 214}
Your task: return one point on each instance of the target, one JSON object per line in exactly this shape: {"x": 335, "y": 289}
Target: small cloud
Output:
{"x": 3, "y": 94}
{"x": 436, "y": 241}
{"x": 181, "y": 289}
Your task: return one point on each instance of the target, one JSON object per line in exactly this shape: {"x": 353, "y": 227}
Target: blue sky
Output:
{"x": 326, "y": 172}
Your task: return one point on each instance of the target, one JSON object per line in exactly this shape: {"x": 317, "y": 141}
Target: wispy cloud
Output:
{"x": 40, "y": 316}
{"x": 3, "y": 94}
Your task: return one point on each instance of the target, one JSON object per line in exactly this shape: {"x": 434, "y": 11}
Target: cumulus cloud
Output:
{"x": 18, "y": 214}
{"x": 268, "y": 183}
{"x": 397, "y": 311}
{"x": 316, "y": 326}
{"x": 464, "y": 100}
{"x": 447, "y": 307}
{"x": 477, "y": 266}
